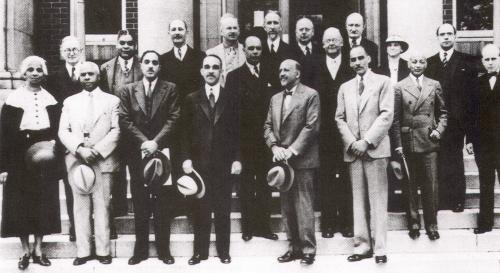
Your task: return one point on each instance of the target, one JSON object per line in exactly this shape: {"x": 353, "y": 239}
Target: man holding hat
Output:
{"x": 148, "y": 115}
{"x": 419, "y": 121}
{"x": 89, "y": 130}
{"x": 291, "y": 131}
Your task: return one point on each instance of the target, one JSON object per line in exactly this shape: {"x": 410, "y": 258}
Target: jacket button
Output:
{"x": 409, "y": 102}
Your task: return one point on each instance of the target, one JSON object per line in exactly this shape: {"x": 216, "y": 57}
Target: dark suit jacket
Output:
{"x": 60, "y": 85}
{"x": 186, "y": 73}
{"x": 212, "y": 147}
{"x": 273, "y": 61}
{"x": 135, "y": 124}
{"x": 298, "y": 129}
{"x": 403, "y": 70}
{"x": 370, "y": 47}
{"x": 310, "y": 64}
{"x": 108, "y": 77}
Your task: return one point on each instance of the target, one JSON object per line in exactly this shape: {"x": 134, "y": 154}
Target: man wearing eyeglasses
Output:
{"x": 149, "y": 111}
{"x": 117, "y": 72}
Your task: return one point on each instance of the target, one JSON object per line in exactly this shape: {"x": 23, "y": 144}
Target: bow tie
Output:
{"x": 288, "y": 93}
{"x": 492, "y": 74}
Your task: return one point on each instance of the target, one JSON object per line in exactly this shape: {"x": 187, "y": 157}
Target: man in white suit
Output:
{"x": 89, "y": 130}
{"x": 364, "y": 115}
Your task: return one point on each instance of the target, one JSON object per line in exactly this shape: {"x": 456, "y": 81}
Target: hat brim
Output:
{"x": 404, "y": 45}
{"x": 200, "y": 184}
{"x": 78, "y": 179}
{"x": 150, "y": 179}
{"x": 289, "y": 174}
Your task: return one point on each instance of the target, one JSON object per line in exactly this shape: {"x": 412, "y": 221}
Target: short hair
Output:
{"x": 298, "y": 66}
{"x": 271, "y": 12}
{"x": 25, "y": 64}
{"x": 454, "y": 29}
{"x": 183, "y": 21}
{"x": 123, "y": 32}
{"x": 254, "y": 36}
{"x": 69, "y": 38}
{"x": 359, "y": 46}
{"x": 93, "y": 66}
{"x": 150, "y": 51}
{"x": 227, "y": 16}
{"x": 490, "y": 47}
{"x": 215, "y": 56}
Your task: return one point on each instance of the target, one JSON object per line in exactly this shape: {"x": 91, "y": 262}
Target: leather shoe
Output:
{"x": 307, "y": 259}
{"x": 225, "y": 259}
{"x": 246, "y": 237}
{"x": 135, "y": 260}
{"x": 269, "y": 236}
{"x": 168, "y": 259}
{"x": 433, "y": 235}
{"x": 289, "y": 256}
{"x": 24, "y": 262}
{"x": 196, "y": 259}
{"x": 41, "y": 260}
{"x": 414, "y": 233}
{"x": 347, "y": 233}
{"x": 327, "y": 233}
{"x": 458, "y": 208}
{"x": 104, "y": 259}
{"x": 82, "y": 260}
{"x": 359, "y": 257}
{"x": 381, "y": 259}
{"x": 481, "y": 230}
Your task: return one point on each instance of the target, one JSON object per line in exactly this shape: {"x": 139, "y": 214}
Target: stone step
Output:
{"x": 398, "y": 242}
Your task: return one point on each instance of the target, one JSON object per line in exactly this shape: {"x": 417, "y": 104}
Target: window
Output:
{"x": 473, "y": 19}
{"x": 103, "y": 19}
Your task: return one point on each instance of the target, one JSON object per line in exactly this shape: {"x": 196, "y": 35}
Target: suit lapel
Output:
{"x": 203, "y": 103}
{"x": 158, "y": 94}
{"x": 426, "y": 91}
{"x": 453, "y": 63}
{"x": 366, "y": 93}
{"x": 220, "y": 105}
{"x": 351, "y": 97}
{"x": 140, "y": 96}
{"x": 294, "y": 101}
{"x": 277, "y": 104}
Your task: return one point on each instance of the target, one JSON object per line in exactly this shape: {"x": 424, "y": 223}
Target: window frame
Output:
{"x": 471, "y": 35}
{"x": 107, "y": 39}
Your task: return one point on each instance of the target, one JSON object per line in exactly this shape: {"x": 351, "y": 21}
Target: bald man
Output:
{"x": 334, "y": 189}
{"x": 291, "y": 132}
{"x": 355, "y": 26}
{"x": 486, "y": 140}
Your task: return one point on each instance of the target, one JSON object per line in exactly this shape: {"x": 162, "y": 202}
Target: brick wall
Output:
{"x": 448, "y": 11}
{"x": 131, "y": 16}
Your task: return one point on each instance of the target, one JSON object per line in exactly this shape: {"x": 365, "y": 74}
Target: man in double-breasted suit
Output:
{"x": 148, "y": 116}
{"x": 291, "y": 131}
{"x": 486, "y": 137}
{"x": 335, "y": 187}
{"x": 419, "y": 121}
{"x": 210, "y": 145}
{"x": 89, "y": 130}
{"x": 364, "y": 115}
{"x": 457, "y": 75}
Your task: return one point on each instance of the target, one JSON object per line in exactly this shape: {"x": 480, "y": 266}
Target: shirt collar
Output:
{"x": 414, "y": 79}
{"x": 183, "y": 50}
{"x": 215, "y": 89}
{"x": 96, "y": 90}
{"x": 303, "y": 47}
{"x": 449, "y": 52}
{"x": 358, "y": 41}
{"x": 276, "y": 43}
{"x": 70, "y": 67}
{"x": 145, "y": 81}
{"x": 251, "y": 66}
{"x": 335, "y": 60}
{"x": 122, "y": 62}
{"x": 293, "y": 89}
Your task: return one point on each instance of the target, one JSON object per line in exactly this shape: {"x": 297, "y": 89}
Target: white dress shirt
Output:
{"x": 358, "y": 41}
{"x": 493, "y": 80}
{"x": 146, "y": 82}
{"x": 275, "y": 44}
{"x": 303, "y": 48}
{"x": 333, "y": 65}
{"x": 124, "y": 67}
{"x": 35, "y": 116}
{"x": 69, "y": 68}
{"x": 448, "y": 54}
{"x": 215, "y": 89}
{"x": 417, "y": 81}
{"x": 252, "y": 69}
{"x": 393, "y": 69}
{"x": 183, "y": 49}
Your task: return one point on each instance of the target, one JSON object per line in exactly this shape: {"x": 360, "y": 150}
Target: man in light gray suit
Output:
{"x": 364, "y": 115}
{"x": 291, "y": 131}
{"x": 89, "y": 130}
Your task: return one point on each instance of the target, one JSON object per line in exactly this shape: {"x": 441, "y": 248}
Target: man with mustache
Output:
{"x": 291, "y": 132}
{"x": 115, "y": 73}
{"x": 355, "y": 27}
{"x": 210, "y": 144}
{"x": 365, "y": 110}
{"x": 149, "y": 112}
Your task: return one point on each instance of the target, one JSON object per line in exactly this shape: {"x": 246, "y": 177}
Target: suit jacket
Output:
{"x": 60, "y": 84}
{"x": 458, "y": 81}
{"x": 137, "y": 126}
{"x": 310, "y": 64}
{"x": 218, "y": 50}
{"x": 108, "y": 76}
{"x": 403, "y": 70}
{"x": 211, "y": 145}
{"x": 416, "y": 113}
{"x": 104, "y": 135}
{"x": 273, "y": 62}
{"x": 186, "y": 73}
{"x": 298, "y": 128}
{"x": 370, "y": 47}
{"x": 370, "y": 120}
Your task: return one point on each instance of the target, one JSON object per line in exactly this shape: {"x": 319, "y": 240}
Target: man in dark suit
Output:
{"x": 486, "y": 137}
{"x": 62, "y": 84}
{"x": 181, "y": 65}
{"x": 148, "y": 115}
{"x": 116, "y": 73}
{"x": 335, "y": 190}
{"x": 210, "y": 144}
{"x": 457, "y": 75}
{"x": 306, "y": 52}
{"x": 291, "y": 132}
{"x": 355, "y": 26}
{"x": 419, "y": 121}
{"x": 274, "y": 50}
{"x": 250, "y": 85}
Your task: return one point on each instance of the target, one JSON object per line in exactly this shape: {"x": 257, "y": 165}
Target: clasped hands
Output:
{"x": 280, "y": 153}
{"x": 358, "y": 147}
{"x": 88, "y": 154}
{"x": 187, "y": 167}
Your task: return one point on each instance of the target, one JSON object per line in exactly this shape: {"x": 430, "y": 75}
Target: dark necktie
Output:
{"x": 125, "y": 69}
{"x": 211, "y": 99}
{"x": 148, "y": 99}
{"x": 445, "y": 59}
{"x": 73, "y": 73}
{"x": 308, "y": 51}
{"x": 179, "y": 52}
{"x": 256, "y": 70}
{"x": 361, "y": 86}
{"x": 272, "y": 49}
{"x": 354, "y": 40}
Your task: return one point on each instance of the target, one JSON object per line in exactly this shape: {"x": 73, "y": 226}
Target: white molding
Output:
{"x": 471, "y": 35}
{"x": 108, "y": 39}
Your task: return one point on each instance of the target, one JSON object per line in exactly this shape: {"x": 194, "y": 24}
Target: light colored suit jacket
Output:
{"x": 369, "y": 118}
{"x": 104, "y": 135}
{"x": 298, "y": 129}
{"x": 239, "y": 60}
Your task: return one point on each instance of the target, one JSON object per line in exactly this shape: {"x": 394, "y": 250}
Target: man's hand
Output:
{"x": 279, "y": 153}
{"x": 187, "y": 166}
{"x": 399, "y": 151}
{"x": 3, "y": 177}
{"x": 359, "y": 148}
{"x": 88, "y": 155}
{"x": 149, "y": 147}
{"x": 236, "y": 167}
{"x": 435, "y": 135}
{"x": 469, "y": 148}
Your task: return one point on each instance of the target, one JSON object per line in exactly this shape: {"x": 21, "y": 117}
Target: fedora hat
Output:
{"x": 83, "y": 178}
{"x": 397, "y": 39}
{"x": 156, "y": 170}
{"x": 397, "y": 170}
{"x": 280, "y": 176}
{"x": 41, "y": 155}
{"x": 191, "y": 184}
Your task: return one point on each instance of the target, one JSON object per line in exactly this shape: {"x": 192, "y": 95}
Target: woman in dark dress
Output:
{"x": 30, "y": 199}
